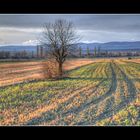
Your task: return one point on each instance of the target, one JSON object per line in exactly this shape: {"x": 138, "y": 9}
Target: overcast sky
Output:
{"x": 24, "y": 29}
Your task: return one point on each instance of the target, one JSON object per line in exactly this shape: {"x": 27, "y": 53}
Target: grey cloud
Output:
{"x": 94, "y": 27}
{"x": 104, "y": 22}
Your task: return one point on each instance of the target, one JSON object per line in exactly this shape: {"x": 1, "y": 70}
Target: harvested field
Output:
{"x": 102, "y": 93}
{"x": 17, "y": 72}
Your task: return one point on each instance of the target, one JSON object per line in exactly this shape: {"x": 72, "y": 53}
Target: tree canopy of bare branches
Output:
{"x": 60, "y": 39}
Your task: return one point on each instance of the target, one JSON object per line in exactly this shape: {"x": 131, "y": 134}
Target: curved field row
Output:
{"x": 102, "y": 93}
{"x": 76, "y": 104}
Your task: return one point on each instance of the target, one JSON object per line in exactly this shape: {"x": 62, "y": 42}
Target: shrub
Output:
{"x": 50, "y": 69}
{"x": 129, "y": 58}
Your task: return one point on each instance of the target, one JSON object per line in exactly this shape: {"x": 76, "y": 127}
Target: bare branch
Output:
{"x": 59, "y": 38}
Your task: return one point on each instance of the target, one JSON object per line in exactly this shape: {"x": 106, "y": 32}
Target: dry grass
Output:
{"x": 50, "y": 69}
{"x": 134, "y": 60}
{"x": 72, "y": 64}
{"x": 27, "y": 71}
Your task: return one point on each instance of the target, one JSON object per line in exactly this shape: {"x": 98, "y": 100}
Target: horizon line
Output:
{"x": 76, "y": 43}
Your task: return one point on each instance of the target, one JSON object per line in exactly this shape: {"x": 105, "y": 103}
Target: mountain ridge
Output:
{"x": 109, "y": 46}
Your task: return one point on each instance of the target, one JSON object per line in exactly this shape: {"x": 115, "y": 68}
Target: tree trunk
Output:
{"x": 60, "y": 69}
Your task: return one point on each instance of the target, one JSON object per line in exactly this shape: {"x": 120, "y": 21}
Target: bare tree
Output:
{"x": 38, "y": 51}
{"x": 59, "y": 38}
{"x": 80, "y": 52}
{"x": 88, "y": 52}
{"x": 95, "y": 51}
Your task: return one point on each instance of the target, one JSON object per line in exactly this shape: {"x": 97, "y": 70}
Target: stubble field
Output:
{"x": 103, "y": 92}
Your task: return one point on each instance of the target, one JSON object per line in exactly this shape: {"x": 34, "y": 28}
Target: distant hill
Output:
{"x": 109, "y": 46}
{"x": 112, "y": 46}
{"x": 17, "y": 48}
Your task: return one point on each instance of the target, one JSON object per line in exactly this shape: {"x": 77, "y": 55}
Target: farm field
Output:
{"x": 103, "y": 92}
{"x": 17, "y": 72}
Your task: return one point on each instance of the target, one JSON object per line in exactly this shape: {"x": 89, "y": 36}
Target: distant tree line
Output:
{"x": 41, "y": 53}
{"x": 97, "y": 52}
{"x": 16, "y": 55}
{"x": 38, "y": 54}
